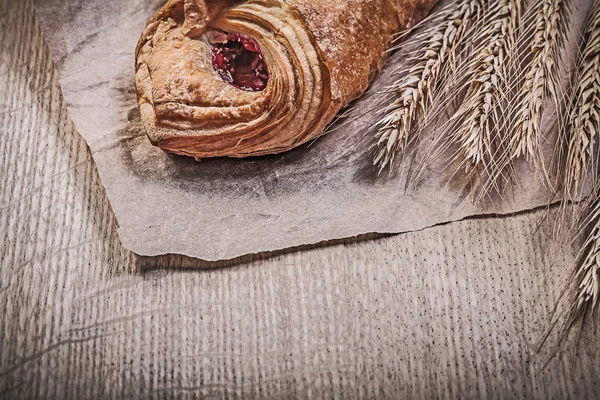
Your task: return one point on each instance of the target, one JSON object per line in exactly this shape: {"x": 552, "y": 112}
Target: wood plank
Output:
{"x": 451, "y": 311}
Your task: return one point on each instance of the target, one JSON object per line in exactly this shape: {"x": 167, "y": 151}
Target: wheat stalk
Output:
{"x": 415, "y": 90}
{"x": 583, "y": 122}
{"x": 586, "y": 278}
{"x": 542, "y": 77}
{"x": 584, "y": 116}
{"x": 480, "y": 114}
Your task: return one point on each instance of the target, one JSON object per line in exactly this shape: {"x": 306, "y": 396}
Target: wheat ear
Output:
{"x": 584, "y": 115}
{"x": 542, "y": 77}
{"x": 584, "y": 127}
{"x": 481, "y": 113}
{"x": 415, "y": 89}
{"x": 586, "y": 277}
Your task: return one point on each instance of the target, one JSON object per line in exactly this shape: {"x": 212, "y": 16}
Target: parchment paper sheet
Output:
{"x": 221, "y": 208}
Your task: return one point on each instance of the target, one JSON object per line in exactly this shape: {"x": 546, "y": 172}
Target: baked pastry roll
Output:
{"x": 247, "y": 78}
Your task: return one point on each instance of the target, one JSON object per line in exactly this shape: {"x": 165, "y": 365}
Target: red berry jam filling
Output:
{"x": 240, "y": 62}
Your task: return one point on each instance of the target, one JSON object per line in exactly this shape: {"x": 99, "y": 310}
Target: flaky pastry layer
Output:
{"x": 321, "y": 54}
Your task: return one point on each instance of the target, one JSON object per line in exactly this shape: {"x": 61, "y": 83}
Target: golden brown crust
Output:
{"x": 353, "y": 36}
{"x": 321, "y": 55}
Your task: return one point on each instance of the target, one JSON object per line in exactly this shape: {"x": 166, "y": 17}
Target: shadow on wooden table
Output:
{"x": 147, "y": 264}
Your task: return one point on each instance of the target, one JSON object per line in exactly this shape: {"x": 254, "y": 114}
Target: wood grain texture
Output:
{"x": 453, "y": 311}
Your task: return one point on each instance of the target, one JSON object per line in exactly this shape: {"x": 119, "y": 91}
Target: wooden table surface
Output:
{"x": 454, "y": 311}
